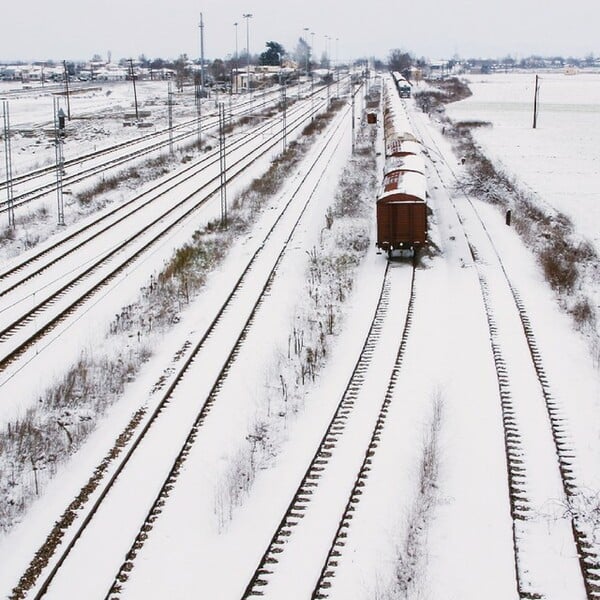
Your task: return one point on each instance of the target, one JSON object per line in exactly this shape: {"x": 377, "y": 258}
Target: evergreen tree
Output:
{"x": 272, "y": 55}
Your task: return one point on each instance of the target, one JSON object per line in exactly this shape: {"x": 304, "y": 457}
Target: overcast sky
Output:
{"x": 77, "y": 29}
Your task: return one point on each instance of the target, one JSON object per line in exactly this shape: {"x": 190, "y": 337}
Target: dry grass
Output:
{"x": 447, "y": 91}
{"x": 7, "y": 234}
{"x": 34, "y": 445}
{"x": 329, "y": 280}
{"x": 407, "y": 580}
{"x": 107, "y": 184}
{"x": 565, "y": 259}
{"x": 411, "y": 554}
{"x": 472, "y": 124}
{"x": 320, "y": 121}
{"x": 27, "y": 238}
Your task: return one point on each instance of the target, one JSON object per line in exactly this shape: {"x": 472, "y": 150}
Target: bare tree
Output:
{"x": 400, "y": 61}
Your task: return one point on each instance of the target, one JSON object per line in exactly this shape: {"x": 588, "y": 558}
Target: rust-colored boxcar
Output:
{"x": 402, "y": 211}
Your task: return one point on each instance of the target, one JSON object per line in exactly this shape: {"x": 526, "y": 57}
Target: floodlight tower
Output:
{"x": 248, "y": 16}
{"x": 308, "y": 52}
{"x": 235, "y": 62}
{"x": 200, "y": 92}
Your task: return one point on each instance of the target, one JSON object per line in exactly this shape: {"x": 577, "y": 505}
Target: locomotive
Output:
{"x": 402, "y": 85}
{"x": 402, "y": 200}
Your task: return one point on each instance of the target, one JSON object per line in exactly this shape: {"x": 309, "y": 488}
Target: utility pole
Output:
{"x": 59, "y": 125}
{"x": 222, "y": 164}
{"x": 284, "y": 114}
{"x": 535, "y": 101}
{"x": 67, "y": 89}
{"x": 201, "y": 91}
{"x": 8, "y": 164}
{"x": 137, "y": 114}
{"x": 353, "y": 124}
{"x": 170, "y": 107}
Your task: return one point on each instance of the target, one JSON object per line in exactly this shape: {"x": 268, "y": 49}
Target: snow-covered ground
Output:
{"x": 559, "y": 160}
{"x": 97, "y": 117}
{"x": 465, "y": 549}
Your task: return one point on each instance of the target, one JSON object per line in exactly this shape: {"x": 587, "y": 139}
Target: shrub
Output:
{"x": 563, "y": 257}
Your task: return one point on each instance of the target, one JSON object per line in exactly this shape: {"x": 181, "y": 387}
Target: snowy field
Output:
{"x": 97, "y": 116}
{"x": 463, "y": 548}
{"x": 559, "y": 160}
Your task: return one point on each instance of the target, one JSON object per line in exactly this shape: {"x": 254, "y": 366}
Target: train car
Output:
{"x": 408, "y": 162}
{"x": 396, "y": 124}
{"x": 402, "y": 201}
{"x": 402, "y": 147}
{"x": 402, "y": 211}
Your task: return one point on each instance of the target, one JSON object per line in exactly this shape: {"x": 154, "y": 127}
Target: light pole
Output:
{"x": 236, "y": 57}
{"x": 312, "y": 79}
{"x": 248, "y": 16}
{"x": 337, "y": 66}
{"x": 328, "y": 66}
{"x": 201, "y": 91}
{"x": 307, "y": 52}
{"x": 201, "y": 55}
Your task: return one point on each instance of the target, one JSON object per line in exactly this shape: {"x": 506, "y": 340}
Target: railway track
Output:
{"x": 56, "y": 306}
{"x": 329, "y": 570}
{"x": 320, "y": 512}
{"x": 129, "y": 208}
{"x": 540, "y": 456}
{"x": 254, "y": 281}
{"x": 49, "y": 88}
{"x": 186, "y": 130}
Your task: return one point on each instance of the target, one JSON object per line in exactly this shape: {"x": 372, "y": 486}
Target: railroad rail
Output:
{"x": 190, "y": 130}
{"x": 331, "y": 562}
{"x": 519, "y": 432}
{"x": 177, "y": 212}
{"x": 33, "y": 577}
{"x": 324, "y": 457}
{"x": 148, "y": 196}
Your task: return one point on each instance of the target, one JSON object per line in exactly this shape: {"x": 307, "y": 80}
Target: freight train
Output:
{"x": 402, "y": 85}
{"x": 402, "y": 200}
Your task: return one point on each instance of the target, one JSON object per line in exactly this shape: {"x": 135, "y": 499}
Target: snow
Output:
{"x": 558, "y": 160}
{"x": 400, "y": 185}
{"x": 559, "y": 163}
{"x": 411, "y": 162}
{"x": 202, "y": 545}
{"x": 97, "y": 118}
